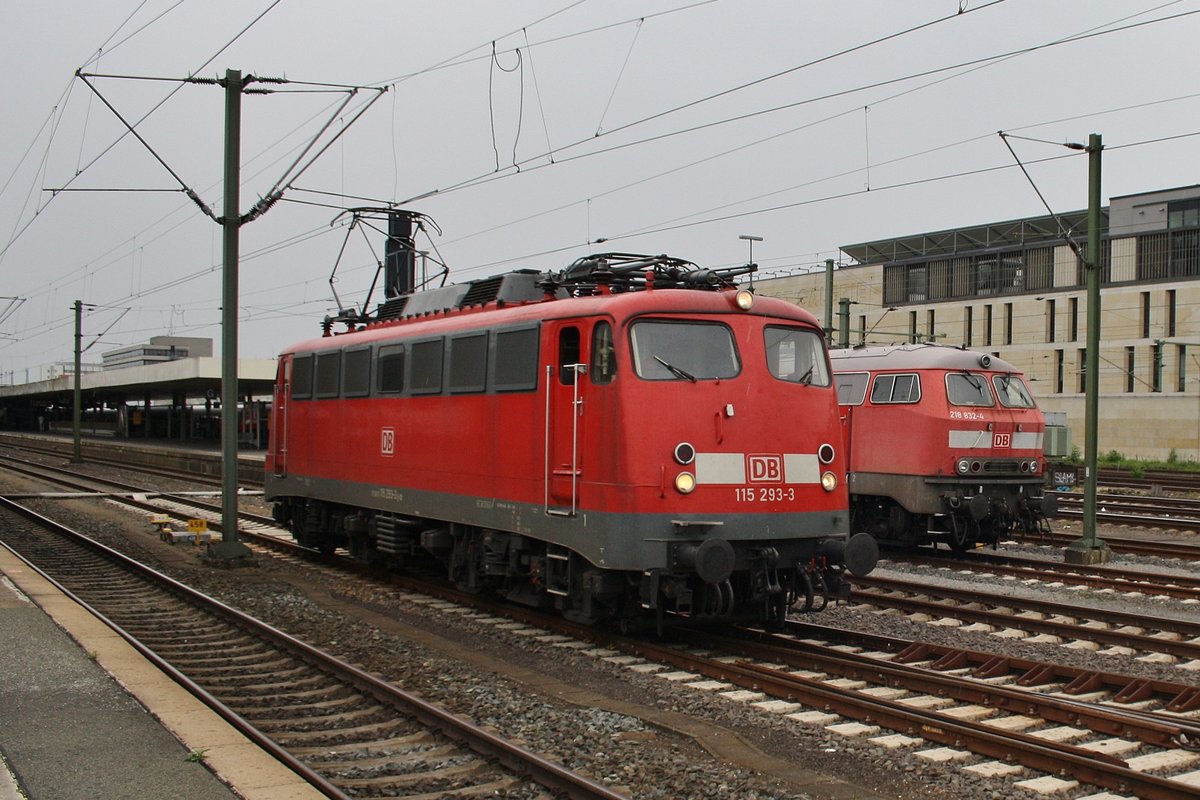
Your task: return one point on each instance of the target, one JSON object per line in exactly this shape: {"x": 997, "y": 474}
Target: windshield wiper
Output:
{"x": 676, "y": 371}
{"x": 806, "y": 378}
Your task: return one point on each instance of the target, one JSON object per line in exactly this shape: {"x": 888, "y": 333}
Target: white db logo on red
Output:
{"x": 1002, "y": 440}
{"x": 387, "y": 441}
{"x": 765, "y": 469}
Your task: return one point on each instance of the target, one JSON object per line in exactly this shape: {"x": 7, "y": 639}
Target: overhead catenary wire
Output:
{"x": 292, "y": 200}
{"x": 528, "y": 165}
{"x": 12, "y": 239}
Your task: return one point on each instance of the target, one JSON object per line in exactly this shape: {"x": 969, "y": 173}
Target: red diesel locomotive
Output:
{"x": 607, "y": 441}
{"x": 945, "y": 445}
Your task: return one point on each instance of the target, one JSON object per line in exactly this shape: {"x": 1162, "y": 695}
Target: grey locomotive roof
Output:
{"x": 915, "y": 356}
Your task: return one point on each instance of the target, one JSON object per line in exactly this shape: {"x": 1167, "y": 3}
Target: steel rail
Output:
{"x": 491, "y": 746}
{"x": 1181, "y": 649}
{"x": 1086, "y": 765}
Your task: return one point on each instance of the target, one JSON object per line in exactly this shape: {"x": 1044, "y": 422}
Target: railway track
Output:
{"x": 347, "y": 732}
{"x": 1140, "y": 511}
{"x": 746, "y": 672}
{"x": 1096, "y": 576}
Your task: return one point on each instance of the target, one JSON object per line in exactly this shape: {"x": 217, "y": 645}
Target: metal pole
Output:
{"x": 230, "y": 548}
{"x": 77, "y": 412}
{"x": 829, "y": 302}
{"x": 844, "y": 322}
{"x": 1089, "y": 549}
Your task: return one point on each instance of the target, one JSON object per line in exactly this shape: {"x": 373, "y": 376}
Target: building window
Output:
{"x": 1129, "y": 366}
{"x": 931, "y": 334}
{"x": 1145, "y": 316}
{"x": 1181, "y": 368}
{"x": 912, "y": 327}
{"x": 1008, "y": 323}
{"x": 1082, "y": 369}
{"x": 967, "y": 324}
{"x": 1049, "y": 321}
{"x": 1156, "y": 368}
{"x": 987, "y": 325}
{"x": 1170, "y": 312}
{"x": 1074, "y": 309}
{"x": 862, "y": 328}
{"x": 1183, "y": 213}
{"x": 1059, "y": 370}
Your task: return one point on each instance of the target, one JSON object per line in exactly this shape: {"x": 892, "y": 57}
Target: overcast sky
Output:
{"x": 660, "y": 126}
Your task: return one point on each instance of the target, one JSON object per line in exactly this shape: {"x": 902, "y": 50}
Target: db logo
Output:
{"x": 765, "y": 469}
{"x": 1001, "y": 440}
{"x": 387, "y": 441}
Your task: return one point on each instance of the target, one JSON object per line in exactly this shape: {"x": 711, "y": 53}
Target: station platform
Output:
{"x": 82, "y": 714}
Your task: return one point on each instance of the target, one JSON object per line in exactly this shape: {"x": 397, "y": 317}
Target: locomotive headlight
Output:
{"x": 963, "y": 466}
{"x": 744, "y": 299}
{"x": 685, "y": 483}
{"x": 829, "y": 481}
{"x": 826, "y": 453}
{"x": 685, "y": 453}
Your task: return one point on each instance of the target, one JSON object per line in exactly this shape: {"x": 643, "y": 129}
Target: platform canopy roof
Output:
{"x": 1014, "y": 234}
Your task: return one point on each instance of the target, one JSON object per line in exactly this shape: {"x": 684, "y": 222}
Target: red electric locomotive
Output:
{"x": 607, "y": 440}
{"x": 945, "y": 445}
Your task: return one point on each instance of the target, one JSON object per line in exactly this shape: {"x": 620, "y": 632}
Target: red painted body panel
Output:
{"x": 493, "y": 445}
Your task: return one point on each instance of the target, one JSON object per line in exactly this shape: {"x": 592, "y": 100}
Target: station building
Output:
{"x": 167, "y": 388}
{"x": 1017, "y": 289}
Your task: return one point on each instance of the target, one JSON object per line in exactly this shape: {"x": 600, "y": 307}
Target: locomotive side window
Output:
{"x": 672, "y": 351}
{"x": 796, "y": 355}
{"x": 329, "y": 373}
{"x": 427, "y": 367}
{"x": 356, "y": 377}
{"x": 468, "y": 363}
{"x": 1012, "y": 392}
{"x": 515, "y": 364}
{"x": 604, "y": 354}
{"x": 302, "y": 377}
{"x": 852, "y": 387}
{"x": 896, "y": 389}
{"x": 391, "y": 368}
{"x": 965, "y": 389}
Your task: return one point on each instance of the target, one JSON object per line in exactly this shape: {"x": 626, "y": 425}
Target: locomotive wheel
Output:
{"x": 960, "y": 540}
{"x": 776, "y": 611}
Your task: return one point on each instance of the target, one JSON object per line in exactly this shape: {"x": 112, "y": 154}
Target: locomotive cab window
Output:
{"x": 356, "y": 373}
{"x": 391, "y": 368}
{"x": 688, "y": 351}
{"x": 604, "y": 355}
{"x": 852, "y": 387}
{"x": 967, "y": 389}
{"x": 329, "y": 373}
{"x": 1012, "y": 392}
{"x": 796, "y": 355}
{"x": 896, "y": 389}
{"x": 302, "y": 377}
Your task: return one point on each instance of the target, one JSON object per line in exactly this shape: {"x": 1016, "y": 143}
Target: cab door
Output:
{"x": 565, "y": 381}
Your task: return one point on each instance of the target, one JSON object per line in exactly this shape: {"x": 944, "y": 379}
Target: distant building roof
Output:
{"x": 994, "y": 236}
